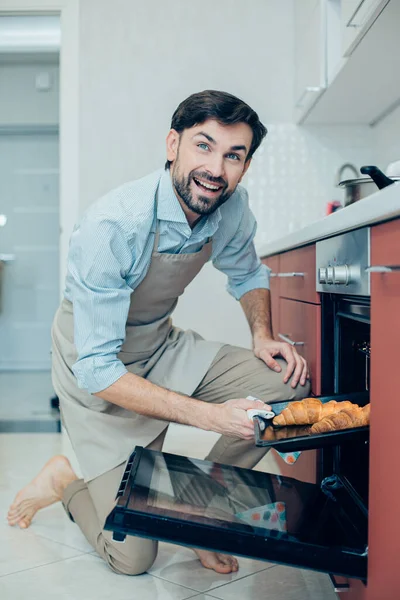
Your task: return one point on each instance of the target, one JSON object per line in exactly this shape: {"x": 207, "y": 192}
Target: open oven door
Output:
{"x": 243, "y": 512}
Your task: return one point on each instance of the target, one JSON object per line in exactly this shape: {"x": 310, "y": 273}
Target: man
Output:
{"x": 122, "y": 371}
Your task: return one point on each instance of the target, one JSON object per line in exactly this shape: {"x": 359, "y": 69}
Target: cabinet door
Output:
{"x": 273, "y": 263}
{"x": 310, "y": 53}
{"x": 356, "y": 17}
{"x": 301, "y": 322}
{"x": 384, "y": 517}
{"x": 297, "y": 275}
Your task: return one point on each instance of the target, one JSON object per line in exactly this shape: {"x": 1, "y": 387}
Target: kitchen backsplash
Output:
{"x": 293, "y": 173}
{"x": 387, "y": 137}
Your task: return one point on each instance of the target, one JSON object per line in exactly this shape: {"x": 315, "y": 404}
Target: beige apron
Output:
{"x": 104, "y": 434}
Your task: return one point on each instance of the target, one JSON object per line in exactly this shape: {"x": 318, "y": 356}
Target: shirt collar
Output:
{"x": 169, "y": 209}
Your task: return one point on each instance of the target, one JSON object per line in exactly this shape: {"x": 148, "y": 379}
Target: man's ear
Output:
{"x": 246, "y": 166}
{"x": 172, "y": 144}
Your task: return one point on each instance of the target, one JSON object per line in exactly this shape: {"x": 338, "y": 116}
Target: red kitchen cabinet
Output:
{"x": 384, "y": 516}
{"x": 301, "y": 323}
{"x": 273, "y": 263}
{"x": 297, "y": 270}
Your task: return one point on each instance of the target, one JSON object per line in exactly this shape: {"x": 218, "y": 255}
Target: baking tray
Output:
{"x": 290, "y": 439}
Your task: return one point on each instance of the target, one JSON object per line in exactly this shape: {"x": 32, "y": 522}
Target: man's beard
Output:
{"x": 201, "y": 205}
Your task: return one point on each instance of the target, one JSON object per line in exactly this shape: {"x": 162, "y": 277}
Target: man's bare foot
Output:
{"x": 47, "y": 488}
{"x": 221, "y": 563}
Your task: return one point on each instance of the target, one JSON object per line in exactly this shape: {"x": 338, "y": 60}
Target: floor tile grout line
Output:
{"x": 54, "y": 562}
{"x": 218, "y": 586}
{"x": 35, "y": 533}
{"x": 241, "y": 578}
{"x": 209, "y": 595}
{"x": 62, "y": 544}
{"x": 175, "y": 583}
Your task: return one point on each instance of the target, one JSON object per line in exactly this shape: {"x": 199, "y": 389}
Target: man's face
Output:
{"x": 208, "y": 162}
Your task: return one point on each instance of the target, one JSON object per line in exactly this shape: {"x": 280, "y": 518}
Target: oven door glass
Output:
{"x": 239, "y": 511}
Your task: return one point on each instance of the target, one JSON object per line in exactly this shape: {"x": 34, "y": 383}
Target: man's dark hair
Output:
{"x": 222, "y": 107}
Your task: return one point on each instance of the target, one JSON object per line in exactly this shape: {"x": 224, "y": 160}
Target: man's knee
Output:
{"x": 303, "y": 391}
{"x": 285, "y": 391}
{"x": 127, "y": 562}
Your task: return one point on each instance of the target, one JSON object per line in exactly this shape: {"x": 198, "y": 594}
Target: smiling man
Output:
{"x": 121, "y": 369}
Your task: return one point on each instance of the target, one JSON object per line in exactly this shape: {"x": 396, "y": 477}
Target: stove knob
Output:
{"x": 329, "y": 275}
{"x": 341, "y": 275}
{"x": 322, "y": 275}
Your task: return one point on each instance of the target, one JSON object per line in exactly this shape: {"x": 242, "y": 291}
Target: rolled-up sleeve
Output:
{"x": 239, "y": 261}
{"x": 100, "y": 257}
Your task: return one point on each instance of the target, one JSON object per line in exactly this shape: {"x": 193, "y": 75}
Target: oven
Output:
{"x": 344, "y": 283}
{"x": 321, "y": 526}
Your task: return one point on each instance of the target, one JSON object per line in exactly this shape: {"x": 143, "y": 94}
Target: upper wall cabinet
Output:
{"x": 357, "y": 48}
{"x": 356, "y": 17}
{"x": 310, "y": 48}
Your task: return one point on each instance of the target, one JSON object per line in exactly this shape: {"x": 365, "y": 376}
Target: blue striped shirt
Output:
{"x": 110, "y": 253}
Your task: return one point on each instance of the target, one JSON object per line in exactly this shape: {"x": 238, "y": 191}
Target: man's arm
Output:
{"x": 100, "y": 257}
{"x": 256, "y": 305}
{"x": 145, "y": 398}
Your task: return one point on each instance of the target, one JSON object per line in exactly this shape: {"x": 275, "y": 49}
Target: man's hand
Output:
{"x": 266, "y": 349}
{"x": 230, "y": 418}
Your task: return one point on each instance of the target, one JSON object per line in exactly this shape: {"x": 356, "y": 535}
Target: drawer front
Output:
{"x": 301, "y": 322}
{"x": 297, "y": 275}
{"x": 385, "y": 244}
{"x": 273, "y": 263}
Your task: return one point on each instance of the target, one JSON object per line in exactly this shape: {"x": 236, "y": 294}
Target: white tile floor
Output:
{"x": 52, "y": 558}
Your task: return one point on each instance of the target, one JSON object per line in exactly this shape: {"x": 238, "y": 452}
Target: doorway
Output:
{"x": 29, "y": 218}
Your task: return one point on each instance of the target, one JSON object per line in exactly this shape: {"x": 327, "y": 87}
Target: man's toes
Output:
{"x": 221, "y": 567}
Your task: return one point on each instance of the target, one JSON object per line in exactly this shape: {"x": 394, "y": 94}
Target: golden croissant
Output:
{"x": 309, "y": 411}
{"x": 344, "y": 419}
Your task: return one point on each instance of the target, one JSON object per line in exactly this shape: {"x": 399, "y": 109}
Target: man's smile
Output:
{"x": 207, "y": 186}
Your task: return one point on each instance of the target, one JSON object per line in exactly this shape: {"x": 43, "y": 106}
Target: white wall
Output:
{"x": 20, "y": 102}
{"x": 387, "y": 139}
{"x": 140, "y": 59}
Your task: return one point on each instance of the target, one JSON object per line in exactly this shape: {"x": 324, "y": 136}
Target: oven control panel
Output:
{"x": 342, "y": 261}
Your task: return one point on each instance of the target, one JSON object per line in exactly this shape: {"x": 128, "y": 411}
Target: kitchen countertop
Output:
{"x": 384, "y": 205}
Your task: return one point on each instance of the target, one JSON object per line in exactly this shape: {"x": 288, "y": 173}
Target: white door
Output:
{"x": 29, "y": 197}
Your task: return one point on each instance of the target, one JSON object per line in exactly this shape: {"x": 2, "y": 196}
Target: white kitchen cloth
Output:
{"x": 289, "y": 457}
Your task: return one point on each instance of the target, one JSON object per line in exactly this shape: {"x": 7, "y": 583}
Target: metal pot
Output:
{"x": 357, "y": 189}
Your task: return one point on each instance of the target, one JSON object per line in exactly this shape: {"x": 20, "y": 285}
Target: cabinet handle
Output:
{"x": 7, "y": 258}
{"x": 338, "y": 587}
{"x": 290, "y": 274}
{"x": 308, "y": 90}
{"x": 372, "y": 9}
{"x": 285, "y": 338}
{"x": 355, "y": 13}
{"x": 382, "y": 269}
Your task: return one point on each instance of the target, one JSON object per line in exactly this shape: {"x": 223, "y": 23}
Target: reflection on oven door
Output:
{"x": 250, "y": 513}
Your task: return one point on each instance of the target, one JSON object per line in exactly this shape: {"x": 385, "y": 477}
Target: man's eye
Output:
{"x": 203, "y": 146}
{"x": 234, "y": 156}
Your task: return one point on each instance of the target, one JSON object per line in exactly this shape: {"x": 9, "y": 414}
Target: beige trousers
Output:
{"x": 234, "y": 373}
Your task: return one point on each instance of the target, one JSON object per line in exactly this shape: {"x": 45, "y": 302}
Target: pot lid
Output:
{"x": 360, "y": 180}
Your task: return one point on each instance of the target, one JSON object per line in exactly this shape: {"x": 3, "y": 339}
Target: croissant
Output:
{"x": 309, "y": 411}
{"x": 285, "y": 433}
{"x": 344, "y": 419}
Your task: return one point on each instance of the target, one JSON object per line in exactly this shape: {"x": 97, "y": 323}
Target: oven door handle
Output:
{"x": 290, "y": 275}
{"x": 285, "y": 338}
{"x": 382, "y": 269}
